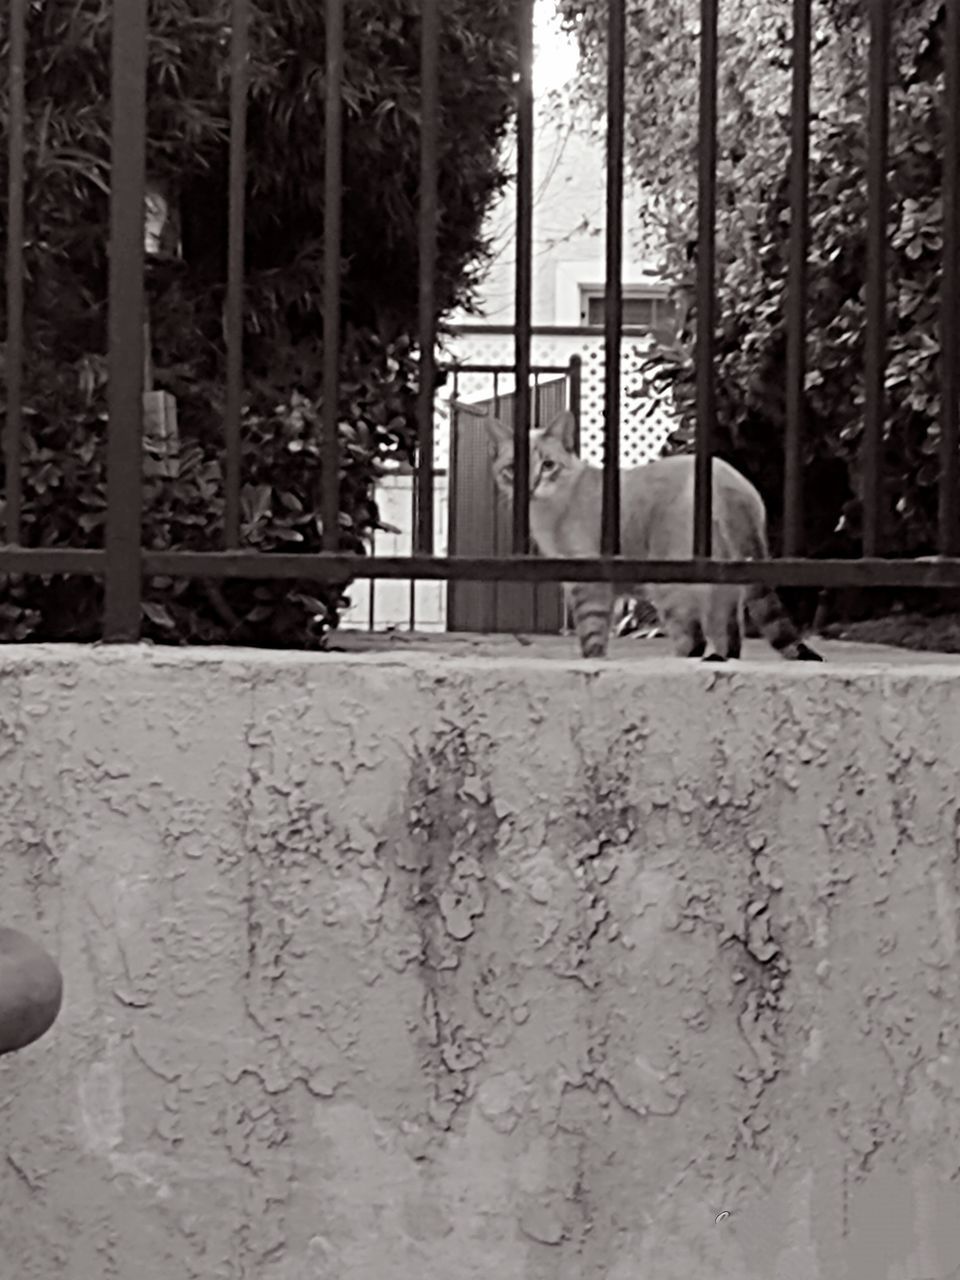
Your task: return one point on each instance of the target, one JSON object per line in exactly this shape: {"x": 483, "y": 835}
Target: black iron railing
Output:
{"x": 123, "y": 561}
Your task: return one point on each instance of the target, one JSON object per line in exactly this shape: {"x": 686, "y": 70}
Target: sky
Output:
{"x": 555, "y": 54}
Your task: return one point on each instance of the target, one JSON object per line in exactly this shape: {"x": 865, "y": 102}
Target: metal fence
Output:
{"x": 123, "y": 562}
{"x": 468, "y": 517}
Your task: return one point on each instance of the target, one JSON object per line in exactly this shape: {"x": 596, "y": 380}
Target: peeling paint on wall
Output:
{"x": 417, "y": 970}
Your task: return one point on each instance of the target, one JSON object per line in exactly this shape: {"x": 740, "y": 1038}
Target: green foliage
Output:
{"x": 753, "y": 226}
{"x": 67, "y": 216}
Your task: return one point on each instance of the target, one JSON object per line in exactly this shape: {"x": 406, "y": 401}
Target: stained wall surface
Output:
{"x": 418, "y": 969}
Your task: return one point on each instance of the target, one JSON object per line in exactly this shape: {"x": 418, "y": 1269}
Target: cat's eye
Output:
{"x": 548, "y": 467}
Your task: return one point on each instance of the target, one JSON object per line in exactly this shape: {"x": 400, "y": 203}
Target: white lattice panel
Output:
{"x": 645, "y": 417}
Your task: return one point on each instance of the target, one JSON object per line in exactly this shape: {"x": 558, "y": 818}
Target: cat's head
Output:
{"x": 554, "y": 466}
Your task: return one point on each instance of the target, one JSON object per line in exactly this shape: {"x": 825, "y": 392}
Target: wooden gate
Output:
{"x": 480, "y": 525}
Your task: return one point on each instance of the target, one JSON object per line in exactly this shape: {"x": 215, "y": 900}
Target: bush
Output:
{"x": 65, "y": 498}
{"x": 66, "y": 261}
{"x": 751, "y": 355}
{"x": 753, "y": 223}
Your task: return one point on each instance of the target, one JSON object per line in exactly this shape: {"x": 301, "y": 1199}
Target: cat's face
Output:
{"x": 554, "y": 466}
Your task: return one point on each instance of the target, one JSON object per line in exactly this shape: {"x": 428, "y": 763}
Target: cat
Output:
{"x": 703, "y": 620}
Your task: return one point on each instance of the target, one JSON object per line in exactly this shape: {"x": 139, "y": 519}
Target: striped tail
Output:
{"x": 775, "y": 625}
{"x": 591, "y": 604}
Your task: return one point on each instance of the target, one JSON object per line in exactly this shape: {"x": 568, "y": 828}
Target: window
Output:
{"x": 636, "y": 311}
{"x": 640, "y": 310}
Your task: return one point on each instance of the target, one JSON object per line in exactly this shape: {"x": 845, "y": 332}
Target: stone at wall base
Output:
{"x": 31, "y": 990}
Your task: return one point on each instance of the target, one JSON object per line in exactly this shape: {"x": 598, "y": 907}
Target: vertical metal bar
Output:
{"x": 793, "y": 523}
{"x": 239, "y": 56}
{"x": 876, "y": 297}
{"x": 13, "y": 436}
{"x": 576, "y": 394}
{"x": 536, "y": 399}
{"x": 412, "y": 582}
{"x": 453, "y": 471}
{"x": 147, "y": 353}
{"x": 429, "y": 150}
{"x": 372, "y": 589}
{"x": 576, "y": 398}
{"x": 706, "y": 272}
{"x": 524, "y": 280}
{"x": 453, "y": 465}
{"x": 613, "y": 295}
{"x": 949, "y": 539}
{"x": 332, "y": 198}
{"x": 128, "y": 76}
{"x": 495, "y": 587}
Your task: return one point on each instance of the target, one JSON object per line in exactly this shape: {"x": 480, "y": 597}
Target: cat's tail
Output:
{"x": 591, "y": 604}
{"x": 766, "y": 608}
{"x": 775, "y": 625}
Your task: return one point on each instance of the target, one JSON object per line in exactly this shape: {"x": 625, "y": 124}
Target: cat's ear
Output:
{"x": 563, "y": 429}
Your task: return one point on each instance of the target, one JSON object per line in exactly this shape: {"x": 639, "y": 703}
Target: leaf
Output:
{"x": 256, "y": 502}
{"x": 158, "y": 615}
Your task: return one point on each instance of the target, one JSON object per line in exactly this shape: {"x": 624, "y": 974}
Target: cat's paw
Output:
{"x": 713, "y": 657}
{"x": 806, "y": 654}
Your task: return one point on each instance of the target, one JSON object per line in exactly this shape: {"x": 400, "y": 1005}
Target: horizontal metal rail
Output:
{"x": 50, "y": 560}
{"x": 502, "y": 370}
{"x": 780, "y": 573}
{"x": 934, "y": 572}
{"x": 548, "y": 330}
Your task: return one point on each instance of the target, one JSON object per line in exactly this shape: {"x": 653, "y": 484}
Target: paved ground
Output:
{"x": 631, "y": 648}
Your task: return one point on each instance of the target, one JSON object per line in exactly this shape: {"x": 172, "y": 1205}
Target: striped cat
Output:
{"x": 703, "y": 620}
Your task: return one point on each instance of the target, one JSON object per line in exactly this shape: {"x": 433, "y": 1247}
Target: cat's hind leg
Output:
{"x": 773, "y": 622}
{"x": 721, "y": 624}
{"x": 690, "y": 642}
{"x": 735, "y": 632}
{"x": 680, "y": 619}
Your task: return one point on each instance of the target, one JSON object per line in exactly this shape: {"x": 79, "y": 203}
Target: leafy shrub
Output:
{"x": 753, "y": 225}
{"x": 751, "y": 350}
{"x": 67, "y": 216}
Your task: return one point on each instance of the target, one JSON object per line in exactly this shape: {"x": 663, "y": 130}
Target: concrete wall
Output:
{"x": 424, "y": 969}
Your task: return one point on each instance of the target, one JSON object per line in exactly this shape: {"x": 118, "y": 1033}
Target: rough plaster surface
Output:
{"x": 396, "y": 969}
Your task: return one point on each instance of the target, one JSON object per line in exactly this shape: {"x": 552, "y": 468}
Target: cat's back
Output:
{"x": 671, "y": 479}
{"x": 657, "y": 500}
{"x": 662, "y": 479}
